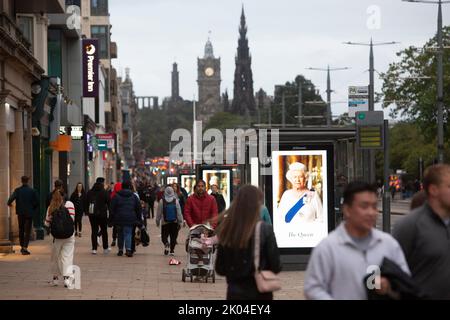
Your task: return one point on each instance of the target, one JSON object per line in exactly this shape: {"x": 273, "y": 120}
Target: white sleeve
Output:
{"x": 318, "y": 275}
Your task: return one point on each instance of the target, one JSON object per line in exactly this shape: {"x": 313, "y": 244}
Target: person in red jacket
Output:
{"x": 201, "y": 207}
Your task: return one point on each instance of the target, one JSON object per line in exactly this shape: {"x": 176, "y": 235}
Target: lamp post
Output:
{"x": 369, "y": 155}
{"x": 440, "y": 80}
{"x": 328, "y": 69}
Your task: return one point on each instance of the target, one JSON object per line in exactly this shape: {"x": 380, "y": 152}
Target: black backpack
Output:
{"x": 62, "y": 226}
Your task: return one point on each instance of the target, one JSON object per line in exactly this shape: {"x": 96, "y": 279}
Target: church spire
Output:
{"x": 243, "y": 98}
{"x": 209, "y": 52}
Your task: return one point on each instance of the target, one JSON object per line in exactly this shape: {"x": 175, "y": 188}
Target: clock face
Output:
{"x": 209, "y": 71}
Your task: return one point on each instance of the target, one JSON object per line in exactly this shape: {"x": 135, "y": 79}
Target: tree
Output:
{"x": 410, "y": 85}
{"x": 290, "y": 90}
{"x": 226, "y": 120}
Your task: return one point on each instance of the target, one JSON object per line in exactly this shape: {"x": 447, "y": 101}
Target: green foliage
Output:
{"x": 226, "y": 120}
{"x": 414, "y": 95}
{"x": 291, "y": 90}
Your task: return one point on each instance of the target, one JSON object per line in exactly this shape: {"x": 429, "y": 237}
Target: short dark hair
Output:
{"x": 357, "y": 187}
{"x": 200, "y": 181}
{"x": 100, "y": 180}
{"x": 25, "y": 179}
{"x": 433, "y": 175}
{"x": 58, "y": 184}
{"x": 127, "y": 185}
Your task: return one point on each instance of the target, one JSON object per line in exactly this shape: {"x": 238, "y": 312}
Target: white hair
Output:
{"x": 296, "y": 166}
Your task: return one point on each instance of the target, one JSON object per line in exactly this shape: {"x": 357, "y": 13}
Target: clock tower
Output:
{"x": 208, "y": 84}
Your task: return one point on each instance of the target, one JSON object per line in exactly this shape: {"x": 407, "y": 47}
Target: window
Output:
{"x": 73, "y": 3}
{"x": 25, "y": 24}
{"x": 54, "y": 53}
{"x": 107, "y": 86}
{"x": 102, "y": 34}
{"x": 99, "y": 8}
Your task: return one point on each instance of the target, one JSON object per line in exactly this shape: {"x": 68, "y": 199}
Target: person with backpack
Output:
{"x": 27, "y": 202}
{"x": 170, "y": 218}
{"x": 98, "y": 203}
{"x": 125, "y": 215}
{"x": 78, "y": 198}
{"x": 60, "y": 219}
{"x": 117, "y": 188}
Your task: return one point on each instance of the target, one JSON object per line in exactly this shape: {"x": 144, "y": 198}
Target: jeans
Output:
{"x": 24, "y": 230}
{"x": 124, "y": 235}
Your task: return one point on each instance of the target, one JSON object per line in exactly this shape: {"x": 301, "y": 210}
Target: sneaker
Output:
{"x": 68, "y": 281}
{"x": 129, "y": 253}
{"x": 24, "y": 252}
{"x": 113, "y": 243}
{"x": 120, "y": 253}
{"x": 76, "y": 234}
{"x": 54, "y": 282}
{"x": 79, "y": 234}
{"x": 171, "y": 253}
{"x": 94, "y": 251}
{"x": 106, "y": 251}
{"x": 166, "y": 250}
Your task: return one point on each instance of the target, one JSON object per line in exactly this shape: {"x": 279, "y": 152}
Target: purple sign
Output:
{"x": 89, "y": 56}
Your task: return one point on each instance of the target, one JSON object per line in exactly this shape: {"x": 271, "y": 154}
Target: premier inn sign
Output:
{"x": 90, "y": 49}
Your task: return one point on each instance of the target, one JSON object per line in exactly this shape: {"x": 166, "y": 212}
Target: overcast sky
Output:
{"x": 285, "y": 38}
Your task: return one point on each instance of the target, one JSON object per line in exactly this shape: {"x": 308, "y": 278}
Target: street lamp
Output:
{"x": 440, "y": 80}
{"x": 370, "y": 155}
{"x": 328, "y": 88}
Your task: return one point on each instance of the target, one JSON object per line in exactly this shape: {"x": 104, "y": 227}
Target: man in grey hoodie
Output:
{"x": 339, "y": 264}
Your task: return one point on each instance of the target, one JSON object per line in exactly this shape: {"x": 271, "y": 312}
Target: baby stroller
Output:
{"x": 200, "y": 256}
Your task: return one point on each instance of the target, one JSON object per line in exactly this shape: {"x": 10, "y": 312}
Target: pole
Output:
{"x": 371, "y": 153}
{"x": 440, "y": 86}
{"x": 283, "y": 111}
{"x": 386, "y": 193}
{"x": 328, "y": 97}
{"x": 300, "y": 105}
{"x": 270, "y": 114}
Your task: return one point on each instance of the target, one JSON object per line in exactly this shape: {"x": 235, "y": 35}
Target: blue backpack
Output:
{"x": 170, "y": 211}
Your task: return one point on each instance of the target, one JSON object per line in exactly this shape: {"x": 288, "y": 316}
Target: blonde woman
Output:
{"x": 59, "y": 214}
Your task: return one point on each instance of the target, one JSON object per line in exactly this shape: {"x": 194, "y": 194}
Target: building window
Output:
{"x": 73, "y": 3}
{"x": 102, "y": 34}
{"x": 25, "y": 24}
{"x": 107, "y": 85}
{"x": 99, "y": 8}
{"x": 54, "y": 53}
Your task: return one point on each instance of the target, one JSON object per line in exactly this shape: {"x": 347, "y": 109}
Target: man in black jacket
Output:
{"x": 424, "y": 235}
{"x": 98, "y": 206}
{"x": 27, "y": 202}
{"x": 219, "y": 198}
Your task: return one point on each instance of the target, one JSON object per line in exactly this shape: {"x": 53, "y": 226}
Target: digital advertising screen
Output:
{"x": 171, "y": 180}
{"x": 221, "y": 178}
{"x": 300, "y": 197}
{"x": 188, "y": 182}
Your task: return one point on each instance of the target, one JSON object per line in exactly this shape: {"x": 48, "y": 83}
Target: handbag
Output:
{"x": 266, "y": 280}
{"x": 145, "y": 239}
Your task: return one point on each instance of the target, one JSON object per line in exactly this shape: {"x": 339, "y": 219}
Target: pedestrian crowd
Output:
{"x": 355, "y": 261}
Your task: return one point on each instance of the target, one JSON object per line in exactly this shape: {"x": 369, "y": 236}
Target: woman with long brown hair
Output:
{"x": 235, "y": 254}
{"x": 63, "y": 247}
{"x": 78, "y": 199}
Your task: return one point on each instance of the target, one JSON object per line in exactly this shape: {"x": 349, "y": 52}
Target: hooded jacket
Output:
{"x": 100, "y": 197}
{"x": 200, "y": 209}
{"x": 125, "y": 209}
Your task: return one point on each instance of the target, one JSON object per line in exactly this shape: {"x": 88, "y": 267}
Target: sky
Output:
{"x": 285, "y": 38}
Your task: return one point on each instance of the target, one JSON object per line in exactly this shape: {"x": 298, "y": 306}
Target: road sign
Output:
{"x": 102, "y": 145}
{"x": 369, "y": 129}
{"x": 358, "y": 99}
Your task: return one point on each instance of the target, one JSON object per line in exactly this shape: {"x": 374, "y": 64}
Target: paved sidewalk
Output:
{"x": 145, "y": 276}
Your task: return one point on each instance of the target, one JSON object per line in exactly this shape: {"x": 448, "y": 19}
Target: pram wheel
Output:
{"x": 214, "y": 277}
{"x": 183, "y": 276}
{"x": 192, "y": 278}
{"x": 206, "y": 279}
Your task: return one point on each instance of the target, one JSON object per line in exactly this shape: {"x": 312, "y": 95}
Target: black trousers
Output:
{"x": 25, "y": 224}
{"x": 170, "y": 230}
{"x": 96, "y": 223}
{"x": 115, "y": 232}
{"x": 78, "y": 219}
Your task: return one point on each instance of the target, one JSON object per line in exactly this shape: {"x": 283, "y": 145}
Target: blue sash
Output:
{"x": 291, "y": 213}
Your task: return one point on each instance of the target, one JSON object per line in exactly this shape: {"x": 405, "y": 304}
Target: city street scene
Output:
{"x": 224, "y": 150}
